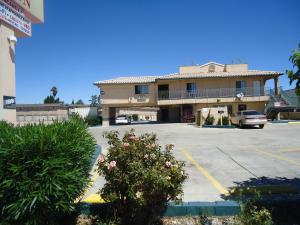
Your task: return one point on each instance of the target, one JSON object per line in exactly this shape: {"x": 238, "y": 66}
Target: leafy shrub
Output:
{"x": 135, "y": 117}
{"x": 225, "y": 120}
{"x": 250, "y": 212}
{"x": 43, "y": 170}
{"x": 209, "y": 119}
{"x": 140, "y": 178}
{"x": 93, "y": 120}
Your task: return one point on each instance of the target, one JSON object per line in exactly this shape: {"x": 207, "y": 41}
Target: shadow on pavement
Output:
{"x": 280, "y": 195}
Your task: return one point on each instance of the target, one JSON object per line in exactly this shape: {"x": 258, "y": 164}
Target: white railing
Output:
{"x": 212, "y": 93}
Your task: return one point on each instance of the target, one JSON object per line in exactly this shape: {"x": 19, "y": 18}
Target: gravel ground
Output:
{"x": 85, "y": 220}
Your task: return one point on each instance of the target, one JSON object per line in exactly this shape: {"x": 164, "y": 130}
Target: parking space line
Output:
{"x": 211, "y": 179}
{"x": 297, "y": 149}
{"x": 272, "y": 155}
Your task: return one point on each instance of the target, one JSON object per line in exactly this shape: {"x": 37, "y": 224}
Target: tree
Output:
{"x": 79, "y": 102}
{"x": 94, "y": 100}
{"x": 72, "y": 102}
{"x": 54, "y": 91}
{"x": 52, "y": 97}
{"x": 295, "y": 76}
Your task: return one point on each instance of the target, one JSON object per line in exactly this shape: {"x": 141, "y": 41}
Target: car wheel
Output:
{"x": 240, "y": 124}
{"x": 261, "y": 126}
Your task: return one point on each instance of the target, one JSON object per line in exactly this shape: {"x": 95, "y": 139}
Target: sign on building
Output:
{"x": 34, "y": 9}
{"x": 9, "y": 102}
{"x": 14, "y": 17}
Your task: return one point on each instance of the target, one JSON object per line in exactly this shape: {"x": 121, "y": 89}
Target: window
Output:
{"x": 141, "y": 89}
{"x": 229, "y": 109}
{"x": 240, "y": 87}
{"x": 242, "y": 107}
{"x": 191, "y": 88}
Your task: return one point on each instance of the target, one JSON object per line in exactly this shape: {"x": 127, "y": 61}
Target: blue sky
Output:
{"x": 85, "y": 41}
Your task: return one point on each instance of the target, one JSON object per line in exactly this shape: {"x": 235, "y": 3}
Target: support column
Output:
{"x": 276, "y": 85}
{"x": 105, "y": 116}
{"x": 7, "y": 74}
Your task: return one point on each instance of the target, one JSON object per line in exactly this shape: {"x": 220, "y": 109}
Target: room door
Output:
{"x": 256, "y": 88}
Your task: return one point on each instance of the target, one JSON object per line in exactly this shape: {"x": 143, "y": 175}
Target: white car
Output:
{"x": 249, "y": 118}
{"x": 123, "y": 119}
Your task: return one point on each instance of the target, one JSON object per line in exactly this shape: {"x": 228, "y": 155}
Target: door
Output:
{"x": 256, "y": 88}
{"x": 240, "y": 87}
{"x": 163, "y": 91}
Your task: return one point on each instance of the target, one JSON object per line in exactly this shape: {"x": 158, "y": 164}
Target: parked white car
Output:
{"x": 249, "y": 118}
{"x": 123, "y": 119}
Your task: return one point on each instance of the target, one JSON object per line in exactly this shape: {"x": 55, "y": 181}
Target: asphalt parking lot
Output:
{"x": 218, "y": 159}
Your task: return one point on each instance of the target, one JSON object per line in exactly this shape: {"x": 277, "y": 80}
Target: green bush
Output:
{"x": 43, "y": 170}
{"x": 225, "y": 120}
{"x": 140, "y": 177}
{"x": 209, "y": 119}
{"x": 135, "y": 117}
{"x": 251, "y": 213}
{"x": 93, "y": 120}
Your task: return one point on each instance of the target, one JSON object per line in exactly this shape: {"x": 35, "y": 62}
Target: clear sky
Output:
{"x": 85, "y": 41}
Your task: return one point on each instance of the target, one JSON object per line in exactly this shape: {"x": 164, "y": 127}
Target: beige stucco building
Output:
{"x": 180, "y": 95}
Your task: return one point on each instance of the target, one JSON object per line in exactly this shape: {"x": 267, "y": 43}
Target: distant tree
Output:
{"x": 73, "y": 102}
{"x": 79, "y": 102}
{"x": 54, "y": 91}
{"x": 52, "y": 97}
{"x": 295, "y": 76}
{"x": 94, "y": 100}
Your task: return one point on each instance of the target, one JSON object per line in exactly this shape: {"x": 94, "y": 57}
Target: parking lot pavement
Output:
{"x": 217, "y": 159}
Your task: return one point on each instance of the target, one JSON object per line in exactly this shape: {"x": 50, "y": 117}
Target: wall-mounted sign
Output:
{"x": 102, "y": 92}
{"x": 15, "y": 19}
{"x": 9, "y": 102}
{"x": 34, "y": 9}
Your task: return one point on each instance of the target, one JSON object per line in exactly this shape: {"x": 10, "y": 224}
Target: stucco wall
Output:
{"x": 7, "y": 72}
{"x": 125, "y": 94}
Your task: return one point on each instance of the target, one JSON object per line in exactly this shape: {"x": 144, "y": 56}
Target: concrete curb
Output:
{"x": 221, "y": 208}
{"x": 219, "y": 126}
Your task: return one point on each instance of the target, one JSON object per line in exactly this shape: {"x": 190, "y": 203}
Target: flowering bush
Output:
{"x": 140, "y": 177}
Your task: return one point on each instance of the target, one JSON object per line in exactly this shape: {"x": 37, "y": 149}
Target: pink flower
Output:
{"x": 101, "y": 159}
{"x": 168, "y": 164}
{"x": 132, "y": 137}
{"x": 111, "y": 165}
{"x": 126, "y": 145}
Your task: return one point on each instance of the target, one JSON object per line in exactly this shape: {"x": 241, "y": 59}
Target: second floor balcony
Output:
{"x": 212, "y": 93}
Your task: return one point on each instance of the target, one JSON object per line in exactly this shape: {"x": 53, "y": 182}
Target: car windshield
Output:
{"x": 121, "y": 117}
{"x": 251, "y": 113}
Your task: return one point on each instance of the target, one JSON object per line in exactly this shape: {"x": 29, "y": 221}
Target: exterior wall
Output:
{"x": 215, "y": 83}
{"x": 47, "y": 117}
{"x": 124, "y": 94}
{"x": 258, "y": 106}
{"x": 236, "y": 67}
{"x": 142, "y": 113}
{"x": 84, "y": 111}
{"x": 7, "y": 72}
{"x": 290, "y": 115}
{"x": 200, "y": 69}
{"x": 217, "y": 68}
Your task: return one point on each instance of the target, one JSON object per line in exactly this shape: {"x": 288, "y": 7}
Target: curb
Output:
{"x": 220, "y": 208}
{"x": 218, "y": 126}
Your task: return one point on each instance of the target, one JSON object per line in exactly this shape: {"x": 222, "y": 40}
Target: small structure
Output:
{"x": 83, "y": 110}
{"x": 35, "y": 113}
{"x": 143, "y": 113}
{"x": 216, "y": 112}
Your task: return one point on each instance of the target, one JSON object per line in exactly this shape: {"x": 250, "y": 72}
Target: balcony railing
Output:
{"x": 212, "y": 93}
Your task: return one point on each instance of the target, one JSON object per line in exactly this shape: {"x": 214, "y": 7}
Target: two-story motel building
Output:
{"x": 180, "y": 95}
